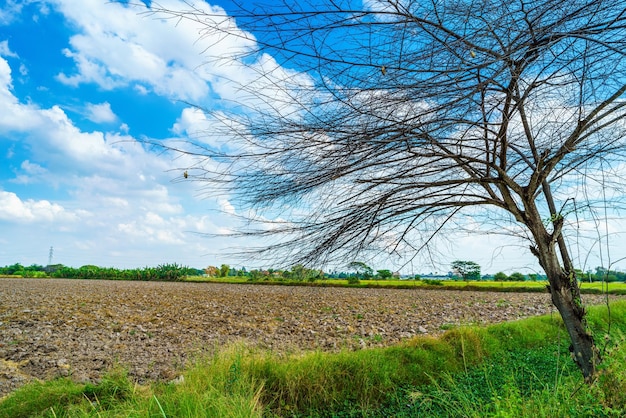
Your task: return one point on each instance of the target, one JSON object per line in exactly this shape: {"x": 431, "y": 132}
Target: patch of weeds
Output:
{"x": 114, "y": 388}
{"x": 501, "y": 303}
{"x": 447, "y": 326}
{"x": 511, "y": 384}
{"x": 234, "y": 372}
{"x": 612, "y": 376}
{"x": 57, "y": 397}
{"x": 377, "y": 338}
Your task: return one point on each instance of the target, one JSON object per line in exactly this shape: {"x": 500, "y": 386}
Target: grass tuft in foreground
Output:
{"x": 516, "y": 369}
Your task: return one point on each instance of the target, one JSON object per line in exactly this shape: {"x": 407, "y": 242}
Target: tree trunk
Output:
{"x": 566, "y": 297}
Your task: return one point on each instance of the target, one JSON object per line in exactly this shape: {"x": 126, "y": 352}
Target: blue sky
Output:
{"x": 82, "y": 84}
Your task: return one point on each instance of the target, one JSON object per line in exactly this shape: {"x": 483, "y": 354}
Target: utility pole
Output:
{"x": 50, "y": 256}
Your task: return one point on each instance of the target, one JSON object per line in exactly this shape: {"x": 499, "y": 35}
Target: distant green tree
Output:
{"x": 601, "y": 273}
{"x": 254, "y": 274}
{"x": 353, "y": 280}
{"x": 363, "y": 271}
{"x": 517, "y": 277}
{"x": 224, "y": 270}
{"x": 500, "y": 277}
{"x": 468, "y": 270}
{"x": 51, "y": 268}
{"x": 384, "y": 274}
{"x": 16, "y": 268}
{"x": 604, "y": 274}
{"x": 35, "y": 267}
{"x": 301, "y": 273}
{"x": 298, "y": 272}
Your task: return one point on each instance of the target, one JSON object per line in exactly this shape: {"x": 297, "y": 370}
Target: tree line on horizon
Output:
{"x": 460, "y": 270}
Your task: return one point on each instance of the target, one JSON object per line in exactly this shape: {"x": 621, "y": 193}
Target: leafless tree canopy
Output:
{"x": 399, "y": 117}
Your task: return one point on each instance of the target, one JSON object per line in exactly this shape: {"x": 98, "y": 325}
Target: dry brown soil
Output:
{"x": 77, "y": 328}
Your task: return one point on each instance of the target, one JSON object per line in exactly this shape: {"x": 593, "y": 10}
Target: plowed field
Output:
{"x": 52, "y": 328}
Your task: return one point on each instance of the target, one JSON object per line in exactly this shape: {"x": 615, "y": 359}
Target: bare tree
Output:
{"x": 400, "y": 118}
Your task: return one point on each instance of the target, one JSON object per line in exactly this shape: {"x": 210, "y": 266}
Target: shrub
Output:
{"x": 353, "y": 280}
{"x": 433, "y": 282}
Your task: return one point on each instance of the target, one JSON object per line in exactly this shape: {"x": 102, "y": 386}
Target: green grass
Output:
{"x": 515, "y": 369}
{"x": 211, "y": 388}
{"x": 598, "y": 287}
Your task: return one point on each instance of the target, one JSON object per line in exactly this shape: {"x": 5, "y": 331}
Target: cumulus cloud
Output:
{"x": 100, "y": 113}
{"x": 107, "y": 192}
{"x": 6, "y": 82}
{"x": 190, "y": 121}
{"x": 87, "y": 164}
{"x": 13, "y": 209}
{"x": 119, "y": 47}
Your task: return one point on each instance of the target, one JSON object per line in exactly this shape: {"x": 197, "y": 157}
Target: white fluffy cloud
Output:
{"x": 13, "y": 209}
{"x": 100, "y": 113}
{"x": 191, "y": 121}
{"x": 96, "y": 194}
{"x": 120, "y": 46}
{"x": 6, "y": 83}
{"x": 87, "y": 164}
{"x": 118, "y": 198}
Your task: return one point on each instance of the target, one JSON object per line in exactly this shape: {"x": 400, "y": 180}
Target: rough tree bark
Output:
{"x": 565, "y": 293}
